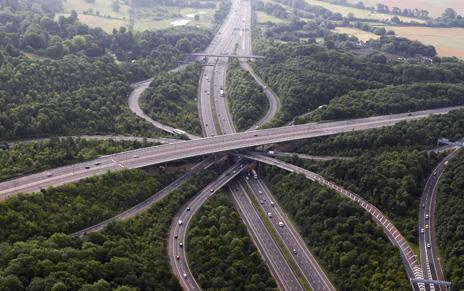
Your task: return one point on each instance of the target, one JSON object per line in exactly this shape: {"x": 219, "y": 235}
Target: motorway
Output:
{"x": 412, "y": 267}
{"x": 427, "y": 244}
{"x": 147, "y": 203}
{"x": 96, "y": 137}
{"x": 277, "y": 263}
{"x": 178, "y": 230}
{"x": 293, "y": 241}
{"x": 185, "y": 149}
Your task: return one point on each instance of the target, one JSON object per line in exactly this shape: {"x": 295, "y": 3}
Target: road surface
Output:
{"x": 134, "y": 105}
{"x": 144, "y": 205}
{"x": 426, "y": 226}
{"x": 178, "y": 230}
{"x": 98, "y": 137}
{"x": 191, "y": 148}
{"x": 410, "y": 262}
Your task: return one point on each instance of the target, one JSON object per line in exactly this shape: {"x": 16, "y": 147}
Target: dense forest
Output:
{"x": 392, "y": 180}
{"x": 25, "y": 158}
{"x": 300, "y": 72}
{"x": 450, "y": 221}
{"x": 85, "y": 89}
{"x": 248, "y": 103}
{"x": 125, "y": 256}
{"x": 392, "y": 99}
{"x": 171, "y": 99}
{"x": 71, "y": 207}
{"x": 419, "y": 135}
{"x": 347, "y": 242}
{"x": 220, "y": 251}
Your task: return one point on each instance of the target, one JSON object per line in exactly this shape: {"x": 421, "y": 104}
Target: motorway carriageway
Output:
{"x": 165, "y": 153}
{"x": 409, "y": 258}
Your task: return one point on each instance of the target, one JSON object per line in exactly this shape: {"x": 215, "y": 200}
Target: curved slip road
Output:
{"x": 409, "y": 258}
{"x": 134, "y": 105}
{"x": 144, "y": 205}
{"x": 427, "y": 243}
{"x": 178, "y": 230}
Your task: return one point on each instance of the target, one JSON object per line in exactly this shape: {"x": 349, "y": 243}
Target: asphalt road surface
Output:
{"x": 178, "y": 230}
{"x": 409, "y": 259}
{"x": 426, "y": 227}
{"x": 144, "y": 205}
{"x": 185, "y": 149}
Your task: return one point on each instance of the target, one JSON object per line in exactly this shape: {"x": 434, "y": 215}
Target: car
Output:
{"x": 281, "y": 224}
{"x": 422, "y": 230}
{"x": 49, "y": 174}
{"x": 234, "y": 171}
{"x": 423, "y": 205}
{"x": 87, "y": 167}
{"x": 135, "y": 156}
{"x": 294, "y": 251}
{"x": 206, "y": 124}
{"x": 261, "y": 201}
{"x": 428, "y": 245}
{"x": 264, "y": 87}
{"x": 184, "y": 275}
{"x": 180, "y": 222}
{"x": 175, "y": 236}
{"x": 211, "y": 190}
{"x": 177, "y": 257}
{"x": 212, "y": 134}
{"x": 426, "y": 226}
{"x": 260, "y": 192}
{"x": 272, "y": 204}
{"x": 426, "y": 216}
{"x": 409, "y": 114}
{"x": 97, "y": 163}
{"x": 188, "y": 208}
{"x": 435, "y": 173}
{"x": 181, "y": 244}
{"x": 255, "y": 134}
{"x": 247, "y": 178}
{"x": 269, "y": 214}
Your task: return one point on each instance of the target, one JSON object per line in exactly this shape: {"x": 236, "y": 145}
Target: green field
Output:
{"x": 159, "y": 17}
{"x": 263, "y": 17}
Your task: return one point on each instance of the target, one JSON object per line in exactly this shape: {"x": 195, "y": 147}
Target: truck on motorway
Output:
{"x": 255, "y": 175}
{"x": 221, "y": 92}
{"x": 178, "y": 131}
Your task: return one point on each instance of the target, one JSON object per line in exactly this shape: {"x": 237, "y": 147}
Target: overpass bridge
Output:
{"x": 226, "y": 56}
{"x": 186, "y": 149}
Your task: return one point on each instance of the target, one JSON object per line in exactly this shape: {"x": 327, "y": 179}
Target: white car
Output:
{"x": 281, "y": 224}
{"x": 180, "y": 222}
{"x": 184, "y": 275}
{"x": 426, "y": 216}
{"x": 422, "y": 230}
{"x": 428, "y": 245}
{"x": 269, "y": 214}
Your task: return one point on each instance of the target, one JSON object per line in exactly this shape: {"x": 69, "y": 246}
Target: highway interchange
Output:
{"x": 218, "y": 127}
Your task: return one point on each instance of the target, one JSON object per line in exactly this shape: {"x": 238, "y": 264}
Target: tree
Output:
{"x": 449, "y": 13}
{"x": 184, "y": 45}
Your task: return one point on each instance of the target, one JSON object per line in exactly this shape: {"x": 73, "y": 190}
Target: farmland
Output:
{"x": 435, "y": 7}
{"x": 360, "y": 34}
{"x": 359, "y": 13}
{"x": 159, "y": 17}
{"x": 447, "y": 41}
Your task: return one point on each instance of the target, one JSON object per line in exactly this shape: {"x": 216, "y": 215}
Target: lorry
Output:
{"x": 178, "y": 131}
{"x": 255, "y": 175}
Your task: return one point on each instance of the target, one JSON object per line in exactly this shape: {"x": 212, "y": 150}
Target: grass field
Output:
{"x": 359, "y": 13}
{"x": 263, "y": 17}
{"x": 447, "y": 41}
{"x": 435, "y": 7}
{"x": 145, "y": 19}
{"x": 360, "y": 34}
